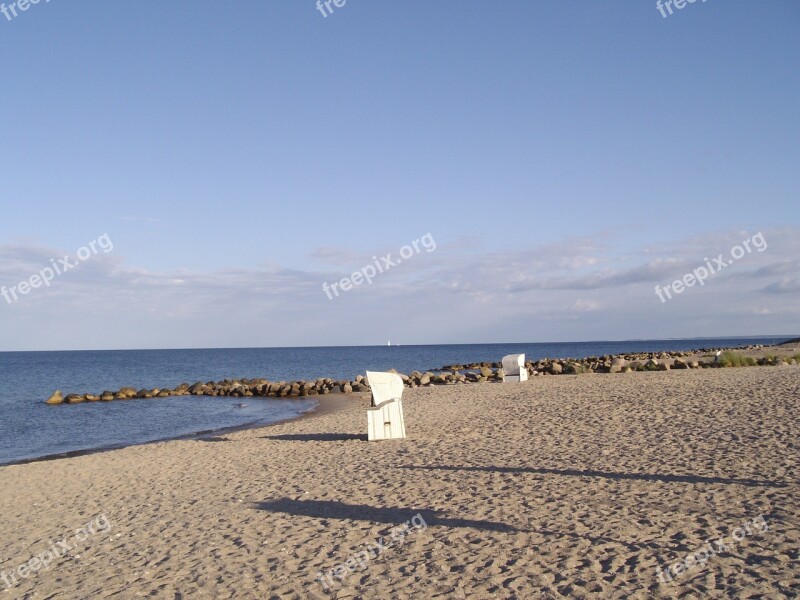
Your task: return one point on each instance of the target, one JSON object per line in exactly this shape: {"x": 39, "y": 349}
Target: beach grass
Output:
{"x": 734, "y": 359}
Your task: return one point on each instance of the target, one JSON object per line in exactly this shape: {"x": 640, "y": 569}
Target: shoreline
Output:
{"x": 325, "y": 405}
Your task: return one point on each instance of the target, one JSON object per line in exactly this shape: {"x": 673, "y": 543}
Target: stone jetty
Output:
{"x": 483, "y": 372}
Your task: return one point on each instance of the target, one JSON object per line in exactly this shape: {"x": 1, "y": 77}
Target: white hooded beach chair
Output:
{"x": 385, "y": 416}
{"x": 514, "y": 368}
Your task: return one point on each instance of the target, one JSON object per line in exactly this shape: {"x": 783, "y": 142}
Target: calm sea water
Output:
{"x": 31, "y": 429}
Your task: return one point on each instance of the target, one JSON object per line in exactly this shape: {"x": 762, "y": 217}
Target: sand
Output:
{"x": 559, "y": 487}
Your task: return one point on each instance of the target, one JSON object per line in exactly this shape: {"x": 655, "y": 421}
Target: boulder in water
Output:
{"x": 56, "y": 398}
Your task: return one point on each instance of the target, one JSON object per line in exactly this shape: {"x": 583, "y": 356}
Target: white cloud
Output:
{"x": 455, "y": 294}
{"x": 786, "y": 285}
{"x": 582, "y": 305}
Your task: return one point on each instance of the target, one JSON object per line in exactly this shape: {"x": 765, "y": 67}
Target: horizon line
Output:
{"x": 724, "y": 337}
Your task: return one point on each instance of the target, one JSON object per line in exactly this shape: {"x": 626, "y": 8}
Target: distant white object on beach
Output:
{"x": 385, "y": 416}
{"x": 514, "y": 368}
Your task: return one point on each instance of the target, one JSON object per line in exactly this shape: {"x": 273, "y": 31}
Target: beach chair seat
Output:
{"x": 385, "y": 416}
{"x": 514, "y": 368}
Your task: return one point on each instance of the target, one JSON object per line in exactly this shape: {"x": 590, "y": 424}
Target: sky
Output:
{"x": 217, "y": 164}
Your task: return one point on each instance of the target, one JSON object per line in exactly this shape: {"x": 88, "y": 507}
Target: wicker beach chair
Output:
{"x": 385, "y": 416}
{"x": 514, "y": 368}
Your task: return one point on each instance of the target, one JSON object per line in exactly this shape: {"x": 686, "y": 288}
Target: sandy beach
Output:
{"x": 559, "y": 487}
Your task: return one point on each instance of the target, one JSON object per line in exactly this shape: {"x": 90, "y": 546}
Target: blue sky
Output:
{"x": 566, "y": 157}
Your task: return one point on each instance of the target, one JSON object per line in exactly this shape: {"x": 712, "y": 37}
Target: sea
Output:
{"x": 30, "y": 429}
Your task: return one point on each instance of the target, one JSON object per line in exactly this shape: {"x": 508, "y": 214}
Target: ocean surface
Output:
{"x": 30, "y": 429}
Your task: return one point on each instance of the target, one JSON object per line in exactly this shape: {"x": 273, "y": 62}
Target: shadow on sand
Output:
{"x": 318, "y": 437}
{"x": 330, "y": 509}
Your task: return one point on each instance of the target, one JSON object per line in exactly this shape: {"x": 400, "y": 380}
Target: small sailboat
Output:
{"x": 389, "y": 343}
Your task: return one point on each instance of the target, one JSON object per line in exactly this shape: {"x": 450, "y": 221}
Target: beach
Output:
{"x": 585, "y": 486}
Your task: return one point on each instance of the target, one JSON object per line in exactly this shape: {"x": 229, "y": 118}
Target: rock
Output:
{"x": 106, "y": 396}
{"x": 56, "y": 398}
{"x": 556, "y": 368}
{"x": 573, "y": 368}
{"x": 616, "y": 365}
{"x": 197, "y": 389}
{"x": 662, "y": 367}
{"x": 425, "y": 379}
{"x": 486, "y": 372}
{"x": 679, "y": 363}
{"x": 346, "y": 388}
{"x": 74, "y": 399}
